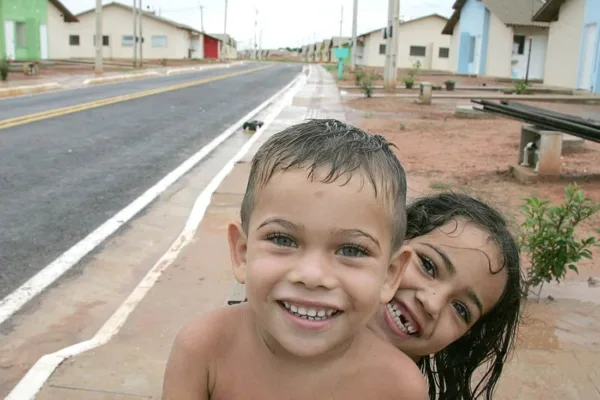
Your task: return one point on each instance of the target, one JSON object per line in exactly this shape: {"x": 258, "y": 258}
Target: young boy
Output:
{"x": 319, "y": 248}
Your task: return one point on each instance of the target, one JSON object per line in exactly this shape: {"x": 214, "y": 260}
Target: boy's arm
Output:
{"x": 187, "y": 371}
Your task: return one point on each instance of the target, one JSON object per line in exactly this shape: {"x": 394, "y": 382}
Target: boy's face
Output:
{"x": 316, "y": 261}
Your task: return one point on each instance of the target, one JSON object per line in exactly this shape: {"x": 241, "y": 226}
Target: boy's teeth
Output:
{"x": 309, "y": 313}
{"x": 401, "y": 321}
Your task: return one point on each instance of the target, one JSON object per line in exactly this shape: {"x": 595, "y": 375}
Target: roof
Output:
{"x": 150, "y": 15}
{"x": 549, "y": 11}
{"x": 510, "y": 12}
{"x": 67, "y": 15}
{"x": 435, "y": 15}
{"x": 224, "y": 37}
{"x": 326, "y": 43}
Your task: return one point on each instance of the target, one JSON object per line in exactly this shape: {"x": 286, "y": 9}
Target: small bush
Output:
{"x": 409, "y": 82}
{"x": 359, "y": 74}
{"x": 548, "y": 236}
{"x": 4, "y": 69}
{"x": 521, "y": 88}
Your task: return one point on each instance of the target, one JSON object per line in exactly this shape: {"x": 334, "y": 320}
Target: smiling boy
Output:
{"x": 319, "y": 249}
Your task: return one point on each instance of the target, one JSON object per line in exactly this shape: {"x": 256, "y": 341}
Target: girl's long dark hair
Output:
{"x": 489, "y": 342}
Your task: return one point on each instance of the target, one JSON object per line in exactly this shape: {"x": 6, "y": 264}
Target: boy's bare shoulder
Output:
{"x": 210, "y": 333}
{"x": 393, "y": 374}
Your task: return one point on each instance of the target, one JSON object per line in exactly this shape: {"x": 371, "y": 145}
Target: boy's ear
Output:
{"x": 238, "y": 246}
{"x": 398, "y": 264}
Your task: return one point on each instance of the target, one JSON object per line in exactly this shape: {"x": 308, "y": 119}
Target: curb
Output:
{"x": 30, "y": 89}
{"x": 120, "y": 78}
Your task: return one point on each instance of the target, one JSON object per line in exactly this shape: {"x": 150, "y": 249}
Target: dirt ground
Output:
{"x": 441, "y": 152}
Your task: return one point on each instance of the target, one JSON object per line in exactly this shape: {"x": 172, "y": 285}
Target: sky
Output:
{"x": 280, "y": 23}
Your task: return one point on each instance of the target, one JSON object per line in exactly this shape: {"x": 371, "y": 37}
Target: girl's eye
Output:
{"x": 352, "y": 251}
{"x": 428, "y": 266}
{"x": 462, "y": 311}
{"x": 281, "y": 240}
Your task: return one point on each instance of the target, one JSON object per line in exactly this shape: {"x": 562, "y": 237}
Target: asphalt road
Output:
{"x": 24, "y": 105}
{"x": 61, "y": 178}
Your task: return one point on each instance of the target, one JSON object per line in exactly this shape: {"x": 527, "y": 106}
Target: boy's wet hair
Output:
{"x": 490, "y": 340}
{"x": 343, "y": 151}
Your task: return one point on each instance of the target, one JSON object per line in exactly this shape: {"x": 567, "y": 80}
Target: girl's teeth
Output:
{"x": 401, "y": 321}
{"x": 309, "y": 313}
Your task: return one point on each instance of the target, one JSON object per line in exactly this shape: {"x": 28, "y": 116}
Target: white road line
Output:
{"x": 35, "y": 378}
{"x": 40, "y": 281}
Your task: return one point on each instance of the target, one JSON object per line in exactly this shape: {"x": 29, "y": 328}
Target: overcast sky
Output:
{"x": 283, "y": 22}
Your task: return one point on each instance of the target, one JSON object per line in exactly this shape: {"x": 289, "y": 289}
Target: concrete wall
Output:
{"x": 116, "y": 23}
{"x": 564, "y": 45}
{"x": 426, "y": 32}
{"x": 590, "y": 50}
{"x": 454, "y": 42}
{"x": 58, "y": 33}
{"x": 30, "y": 13}
{"x": 539, "y": 46}
{"x": 472, "y": 28}
{"x": 500, "y": 46}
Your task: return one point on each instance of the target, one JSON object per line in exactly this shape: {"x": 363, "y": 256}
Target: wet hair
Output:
{"x": 344, "y": 151}
{"x": 450, "y": 372}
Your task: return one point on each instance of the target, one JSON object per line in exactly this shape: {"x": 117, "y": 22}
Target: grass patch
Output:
{"x": 437, "y": 185}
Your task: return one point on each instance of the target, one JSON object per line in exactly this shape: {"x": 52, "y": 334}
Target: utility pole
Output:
{"x": 341, "y": 20}
{"x": 134, "y": 35}
{"x": 260, "y": 45}
{"x": 201, "y": 17}
{"x": 225, "y": 25}
{"x": 255, "y": 28}
{"x": 391, "y": 70}
{"x": 99, "y": 41}
{"x": 354, "y": 41}
{"x": 141, "y": 17}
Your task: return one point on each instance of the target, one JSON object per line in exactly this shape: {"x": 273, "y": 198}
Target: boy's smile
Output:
{"x": 316, "y": 261}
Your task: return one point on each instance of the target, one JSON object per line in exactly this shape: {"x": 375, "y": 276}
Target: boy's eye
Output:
{"x": 281, "y": 240}
{"x": 462, "y": 311}
{"x": 352, "y": 251}
{"x": 428, "y": 266}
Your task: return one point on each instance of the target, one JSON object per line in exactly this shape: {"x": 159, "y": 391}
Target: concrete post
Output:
{"x": 549, "y": 162}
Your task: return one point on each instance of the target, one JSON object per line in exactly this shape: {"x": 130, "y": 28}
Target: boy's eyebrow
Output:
{"x": 357, "y": 232}
{"x": 278, "y": 221}
{"x": 452, "y": 270}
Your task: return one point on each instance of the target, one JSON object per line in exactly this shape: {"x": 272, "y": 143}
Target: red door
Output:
{"x": 211, "y": 47}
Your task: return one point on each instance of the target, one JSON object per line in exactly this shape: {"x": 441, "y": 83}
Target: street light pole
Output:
{"x": 141, "y": 17}
{"x": 354, "y": 41}
{"x": 134, "y": 35}
{"x": 99, "y": 42}
{"x": 225, "y": 24}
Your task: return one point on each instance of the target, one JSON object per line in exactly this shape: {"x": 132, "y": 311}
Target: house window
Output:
{"x": 418, "y": 51}
{"x": 519, "y": 44}
{"x": 105, "y": 41}
{"x": 382, "y": 49}
{"x": 74, "y": 40}
{"x": 444, "y": 52}
{"x": 127, "y": 40}
{"x": 21, "y": 35}
{"x": 159, "y": 41}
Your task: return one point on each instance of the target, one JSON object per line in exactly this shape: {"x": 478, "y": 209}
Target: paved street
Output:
{"x": 62, "y": 177}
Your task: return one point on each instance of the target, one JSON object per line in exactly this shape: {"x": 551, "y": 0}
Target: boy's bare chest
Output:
{"x": 253, "y": 376}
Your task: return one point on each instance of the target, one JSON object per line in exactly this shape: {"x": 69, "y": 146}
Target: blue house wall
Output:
{"x": 474, "y": 22}
{"x": 591, "y": 16}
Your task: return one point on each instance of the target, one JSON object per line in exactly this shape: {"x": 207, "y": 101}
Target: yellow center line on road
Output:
{"x": 26, "y": 119}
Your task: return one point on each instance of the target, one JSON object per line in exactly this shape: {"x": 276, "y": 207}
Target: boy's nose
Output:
{"x": 314, "y": 271}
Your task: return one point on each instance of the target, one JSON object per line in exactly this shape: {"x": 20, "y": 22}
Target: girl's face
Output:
{"x": 445, "y": 290}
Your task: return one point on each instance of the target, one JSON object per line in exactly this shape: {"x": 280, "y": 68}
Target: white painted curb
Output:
{"x": 119, "y": 78}
{"x": 35, "y": 378}
{"x": 21, "y": 90}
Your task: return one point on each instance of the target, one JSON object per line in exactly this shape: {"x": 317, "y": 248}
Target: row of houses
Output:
{"x": 46, "y": 29}
{"x": 324, "y": 52}
{"x": 557, "y": 41}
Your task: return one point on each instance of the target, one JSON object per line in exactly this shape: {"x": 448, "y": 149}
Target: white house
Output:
{"x": 419, "y": 39}
{"x": 228, "y": 46}
{"x": 162, "y": 38}
{"x": 572, "y": 59}
{"x": 60, "y": 21}
{"x": 492, "y": 37}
